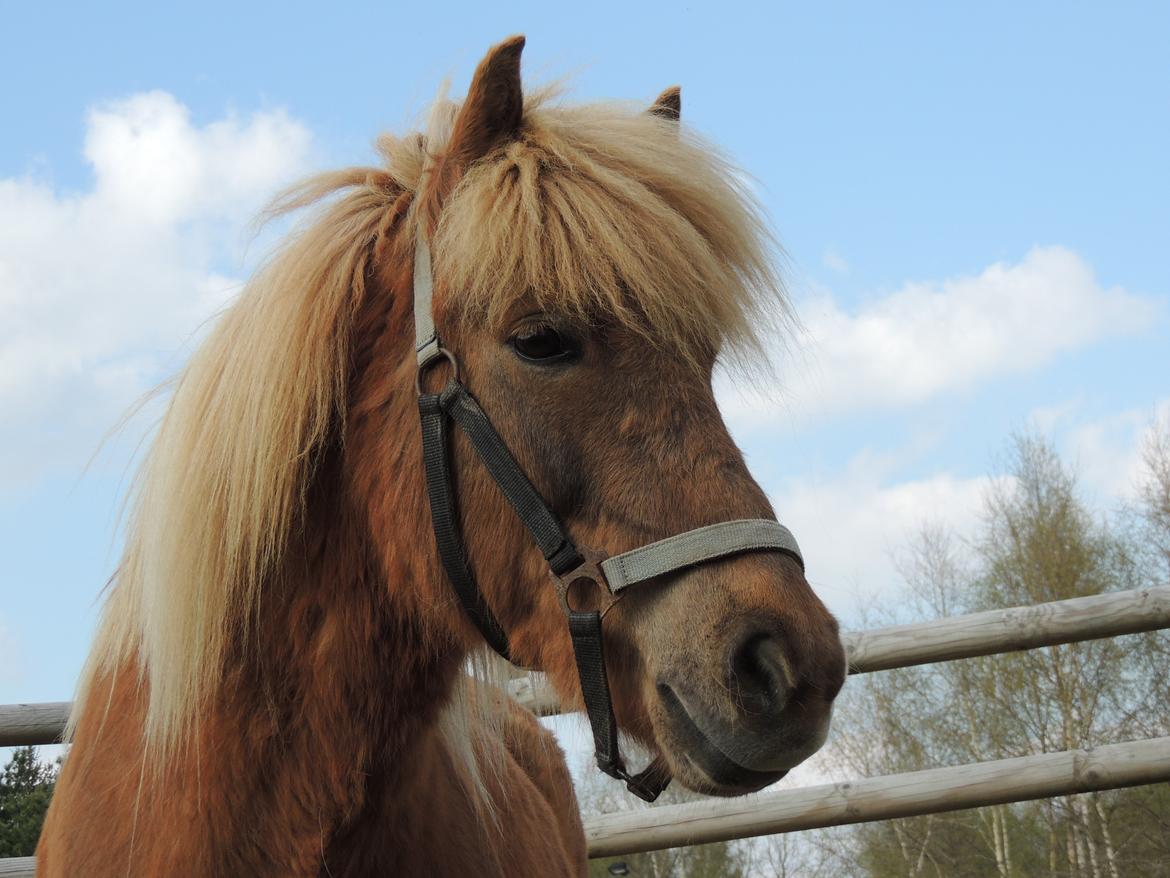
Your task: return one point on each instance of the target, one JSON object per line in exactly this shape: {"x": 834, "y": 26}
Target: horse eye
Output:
{"x": 541, "y": 344}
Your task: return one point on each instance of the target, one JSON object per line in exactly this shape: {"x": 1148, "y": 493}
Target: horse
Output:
{"x": 283, "y": 681}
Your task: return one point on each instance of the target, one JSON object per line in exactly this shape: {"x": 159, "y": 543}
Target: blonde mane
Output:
{"x": 601, "y": 211}
{"x": 606, "y": 211}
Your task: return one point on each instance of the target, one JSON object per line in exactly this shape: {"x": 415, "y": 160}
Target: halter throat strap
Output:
{"x": 567, "y": 563}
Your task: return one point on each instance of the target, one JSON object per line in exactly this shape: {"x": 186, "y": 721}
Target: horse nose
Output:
{"x": 761, "y": 677}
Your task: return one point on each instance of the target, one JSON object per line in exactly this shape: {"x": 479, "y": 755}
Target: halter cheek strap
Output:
{"x": 426, "y": 340}
{"x": 567, "y": 563}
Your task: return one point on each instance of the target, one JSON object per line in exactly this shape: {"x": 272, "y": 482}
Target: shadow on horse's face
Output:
{"x": 727, "y": 669}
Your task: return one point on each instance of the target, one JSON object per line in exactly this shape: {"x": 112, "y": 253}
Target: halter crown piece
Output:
{"x": 568, "y": 562}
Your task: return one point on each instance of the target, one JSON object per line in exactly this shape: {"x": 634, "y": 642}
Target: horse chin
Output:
{"x": 698, "y": 779}
{"x": 698, "y": 762}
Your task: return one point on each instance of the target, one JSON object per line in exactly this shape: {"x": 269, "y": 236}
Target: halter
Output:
{"x": 568, "y": 562}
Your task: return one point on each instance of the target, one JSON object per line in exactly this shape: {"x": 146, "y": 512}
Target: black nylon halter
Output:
{"x": 568, "y": 563}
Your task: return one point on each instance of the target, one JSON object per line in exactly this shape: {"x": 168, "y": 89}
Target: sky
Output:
{"x": 973, "y": 203}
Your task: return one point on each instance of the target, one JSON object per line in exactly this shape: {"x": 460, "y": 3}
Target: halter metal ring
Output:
{"x": 589, "y": 570}
{"x": 424, "y": 367}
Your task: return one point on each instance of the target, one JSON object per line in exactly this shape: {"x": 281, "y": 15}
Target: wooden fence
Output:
{"x": 882, "y": 798}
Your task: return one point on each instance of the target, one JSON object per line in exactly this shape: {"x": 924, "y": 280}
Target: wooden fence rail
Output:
{"x": 993, "y": 631}
{"x": 22, "y": 724}
{"x": 1018, "y": 628}
{"x": 936, "y": 790}
{"x": 18, "y": 867}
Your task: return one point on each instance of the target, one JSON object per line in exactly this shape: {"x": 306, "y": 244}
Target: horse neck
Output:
{"x": 344, "y": 653}
{"x": 348, "y": 669}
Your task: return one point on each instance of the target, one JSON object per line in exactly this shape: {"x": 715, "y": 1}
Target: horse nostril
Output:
{"x": 761, "y": 679}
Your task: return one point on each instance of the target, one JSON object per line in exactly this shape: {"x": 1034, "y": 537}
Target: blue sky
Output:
{"x": 975, "y": 205}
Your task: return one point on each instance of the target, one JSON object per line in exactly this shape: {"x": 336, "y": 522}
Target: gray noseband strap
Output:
{"x": 697, "y": 547}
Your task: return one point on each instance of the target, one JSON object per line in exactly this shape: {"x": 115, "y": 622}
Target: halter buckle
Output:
{"x": 589, "y": 570}
{"x": 439, "y": 353}
{"x": 647, "y": 785}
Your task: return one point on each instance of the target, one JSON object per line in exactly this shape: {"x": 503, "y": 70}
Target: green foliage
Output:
{"x": 26, "y": 786}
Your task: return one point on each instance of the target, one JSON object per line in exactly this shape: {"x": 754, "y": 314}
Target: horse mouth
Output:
{"x": 719, "y": 774}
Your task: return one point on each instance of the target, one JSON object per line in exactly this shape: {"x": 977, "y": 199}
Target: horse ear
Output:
{"x": 494, "y": 105}
{"x": 668, "y": 104}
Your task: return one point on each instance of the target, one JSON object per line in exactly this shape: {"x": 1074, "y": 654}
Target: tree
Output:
{"x": 26, "y": 785}
{"x": 1039, "y": 542}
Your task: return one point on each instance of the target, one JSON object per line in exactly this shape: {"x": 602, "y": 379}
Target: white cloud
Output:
{"x": 852, "y": 526}
{"x": 931, "y": 338}
{"x": 100, "y": 289}
{"x": 153, "y": 163}
{"x": 1107, "y": 452}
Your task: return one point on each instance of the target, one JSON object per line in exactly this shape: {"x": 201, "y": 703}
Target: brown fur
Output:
{"x": 279, "y": 686}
